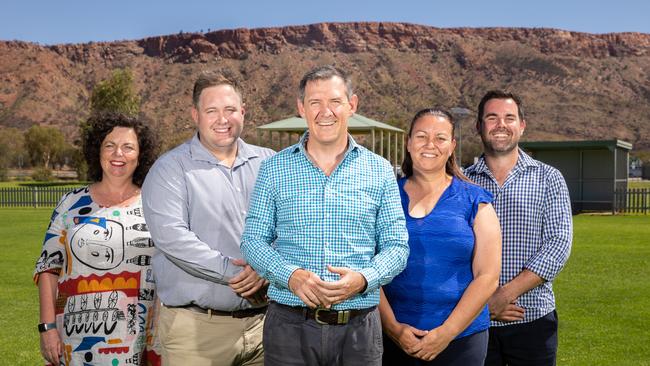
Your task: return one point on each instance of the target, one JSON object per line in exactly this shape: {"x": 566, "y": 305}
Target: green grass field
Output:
{"x": 17, "y": 184}
{"x": 638, "y": 184}
{"x": 22, "y": 232}
{"x": 602, "y": 294}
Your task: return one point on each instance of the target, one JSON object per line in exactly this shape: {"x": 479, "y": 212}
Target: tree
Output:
{"x": 44, "y": 144}
{"x": 66, "y": 156}
{"x": 12, "y": 148}
{"x": 116, "y": 94}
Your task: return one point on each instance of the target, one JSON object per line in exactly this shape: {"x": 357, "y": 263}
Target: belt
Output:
{"x": 325, "y": 316}
{"x": 239, "y": 314}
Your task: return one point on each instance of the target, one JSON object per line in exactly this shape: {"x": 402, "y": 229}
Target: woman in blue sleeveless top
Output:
{"x": 435, "y": 313}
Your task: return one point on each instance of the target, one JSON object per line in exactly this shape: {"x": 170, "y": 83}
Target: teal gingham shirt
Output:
{"x": 300, "y": 218}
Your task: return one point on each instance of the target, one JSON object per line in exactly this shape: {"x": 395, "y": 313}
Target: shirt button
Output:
{"x": 238, "y": 190}
{"x": 243, "y": 212}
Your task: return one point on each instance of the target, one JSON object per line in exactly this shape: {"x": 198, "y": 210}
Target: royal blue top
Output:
{"x": 439, "y": 266}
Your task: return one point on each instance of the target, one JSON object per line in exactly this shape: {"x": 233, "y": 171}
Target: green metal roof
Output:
{"x": 356, "y": 123}
{"x": 555, "y": 145}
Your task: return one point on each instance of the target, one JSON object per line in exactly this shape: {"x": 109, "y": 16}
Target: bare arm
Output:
{"x": 502, "y": 303}
{"x": 486, "y": 266}
{"x": 51, "y": 345}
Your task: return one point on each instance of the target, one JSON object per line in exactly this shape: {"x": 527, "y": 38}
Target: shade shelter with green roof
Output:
{"x": 381, "y": 138}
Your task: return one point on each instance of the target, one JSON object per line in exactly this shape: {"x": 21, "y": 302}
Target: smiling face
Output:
{"x": 219, "y": 116}
{"x": 431, "y": 143}
{"x": 501, "y": 127}
{"x": 326, "y": 108}
{"x": 119, "y": 152}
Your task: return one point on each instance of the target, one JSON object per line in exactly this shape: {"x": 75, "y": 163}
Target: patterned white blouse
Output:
{"x": 106, "y": 293}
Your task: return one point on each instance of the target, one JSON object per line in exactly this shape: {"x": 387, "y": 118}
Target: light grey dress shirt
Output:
{"x": 195, "y": 209}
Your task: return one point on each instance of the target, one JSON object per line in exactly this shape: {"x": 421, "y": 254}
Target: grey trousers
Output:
{"x": 290, "y": 339}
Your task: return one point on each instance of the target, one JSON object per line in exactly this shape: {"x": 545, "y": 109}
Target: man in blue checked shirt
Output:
{"x": 532, "y": 202}
{"x": 326, "y": 228}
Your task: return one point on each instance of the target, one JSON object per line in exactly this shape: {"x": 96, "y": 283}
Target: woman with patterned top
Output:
{"x": 434, "y": 312}
{"x": 96, "y": 289}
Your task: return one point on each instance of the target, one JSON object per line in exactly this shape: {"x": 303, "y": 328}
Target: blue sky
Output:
{"x": 74, "y": 21}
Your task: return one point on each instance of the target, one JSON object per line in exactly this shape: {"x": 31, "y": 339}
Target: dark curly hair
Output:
{"x": 98, "y": 126}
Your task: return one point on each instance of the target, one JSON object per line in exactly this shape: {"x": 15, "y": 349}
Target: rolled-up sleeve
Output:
{"x": 557, "y": 231}
{"x": 166, "y": 209}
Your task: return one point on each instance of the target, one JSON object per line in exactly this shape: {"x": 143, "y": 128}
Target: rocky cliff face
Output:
{"x": 574, "y": 85}
{"x": 370, "y": 37}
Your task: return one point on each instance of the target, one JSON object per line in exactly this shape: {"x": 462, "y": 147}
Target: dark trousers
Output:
{"x": 290, "y": 339}
{"x": 466, "y": 351}
{"x": 526, "y": 344}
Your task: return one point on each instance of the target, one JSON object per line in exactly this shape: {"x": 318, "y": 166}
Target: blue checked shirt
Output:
{"x": 301, "y": 218}
{"x": 534, "y": 210}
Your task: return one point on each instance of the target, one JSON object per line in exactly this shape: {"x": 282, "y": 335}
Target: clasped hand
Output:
{"x": 248, "y": 284}
{"x": 422, "y": 344}
{"x": 315, "y": 292}
{"x": 503, "y": 308}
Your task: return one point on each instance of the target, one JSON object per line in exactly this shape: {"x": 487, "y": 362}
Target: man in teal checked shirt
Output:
{"x": 325, "y": 226}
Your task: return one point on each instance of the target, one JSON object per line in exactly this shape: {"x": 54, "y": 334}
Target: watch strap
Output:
{"x": 44, "y": 327}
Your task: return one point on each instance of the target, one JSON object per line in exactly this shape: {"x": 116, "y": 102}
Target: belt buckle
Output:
{"x": 342, "y": 317}
{"x": 318, "y": 310}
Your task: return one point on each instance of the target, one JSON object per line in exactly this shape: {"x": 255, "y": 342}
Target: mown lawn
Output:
{"x": 22, "y": 232}
{"x": 17, "y": 184}
{"x": 638, "y": 184}
{"x": 603, "y": 294}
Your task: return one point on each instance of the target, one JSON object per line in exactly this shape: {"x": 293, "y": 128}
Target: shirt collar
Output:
{"x": 524, "y": 161}
{"x": 200, "y": 153}
{"x": 300, "y": 146}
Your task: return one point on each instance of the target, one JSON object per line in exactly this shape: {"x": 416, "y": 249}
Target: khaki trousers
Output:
{"x": 191, "y": 338}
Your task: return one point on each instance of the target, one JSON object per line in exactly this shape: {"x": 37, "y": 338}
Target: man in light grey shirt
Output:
{"x": 195, "y": 200}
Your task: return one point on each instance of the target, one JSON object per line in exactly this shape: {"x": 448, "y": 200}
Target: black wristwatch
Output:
{"x": 44, "y": 327}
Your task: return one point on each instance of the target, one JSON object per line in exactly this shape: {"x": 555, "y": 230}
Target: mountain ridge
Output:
{"x": 574, "y": 85}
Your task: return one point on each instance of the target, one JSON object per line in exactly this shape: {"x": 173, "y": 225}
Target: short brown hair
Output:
{"x": 209, "y": 79}
{"x": 325, "y": 72}
{"x": 499, "y": 94}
